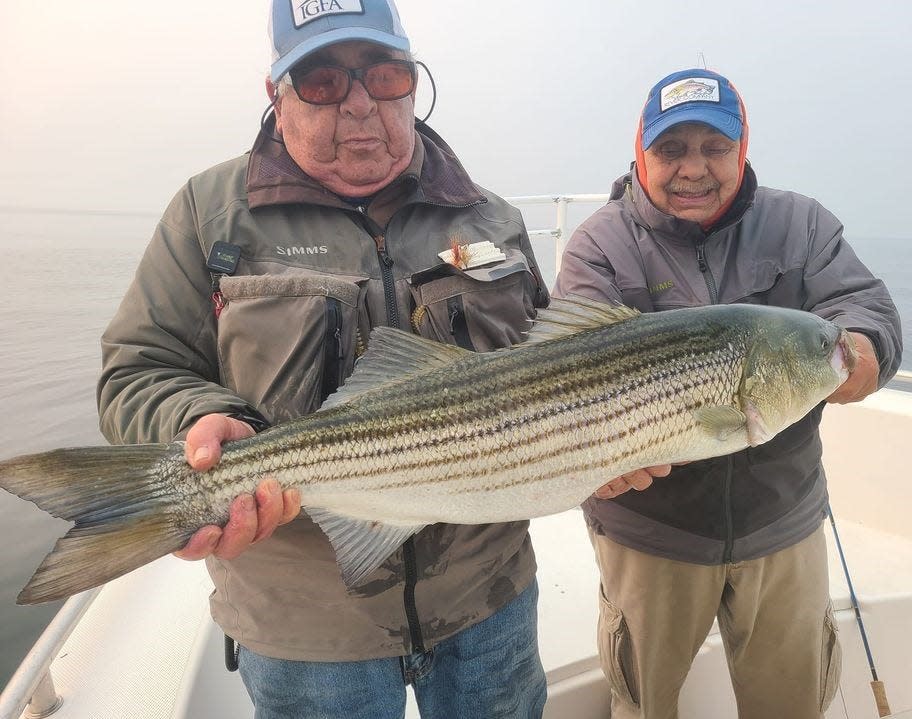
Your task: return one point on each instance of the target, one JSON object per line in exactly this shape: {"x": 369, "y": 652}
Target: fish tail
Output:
{"x": 120, "y": 501}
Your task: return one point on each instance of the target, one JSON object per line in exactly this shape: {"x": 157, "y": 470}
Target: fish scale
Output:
{"x": 424, "y": 433}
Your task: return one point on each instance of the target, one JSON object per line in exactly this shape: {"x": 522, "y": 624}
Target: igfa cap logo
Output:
{"x": 691, "y": 89}
{"x": 309, "y": 10}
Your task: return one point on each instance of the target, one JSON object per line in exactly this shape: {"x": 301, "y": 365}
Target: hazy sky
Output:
{"x": 113, "y": 105}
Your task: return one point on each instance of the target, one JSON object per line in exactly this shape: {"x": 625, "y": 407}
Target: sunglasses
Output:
{"x": 330, "y": 84}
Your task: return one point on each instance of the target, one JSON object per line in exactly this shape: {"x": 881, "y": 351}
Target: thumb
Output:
{"x": 203, "y": 448}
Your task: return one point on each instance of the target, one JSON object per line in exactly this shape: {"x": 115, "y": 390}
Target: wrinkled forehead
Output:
{"x": 352, "y": 53}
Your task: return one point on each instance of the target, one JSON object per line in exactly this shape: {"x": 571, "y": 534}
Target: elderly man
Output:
{"x": 255, "y": 296}
{"x": 740, "y": 537}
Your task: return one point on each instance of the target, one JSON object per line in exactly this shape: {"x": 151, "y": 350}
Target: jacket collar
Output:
{"x": 434, "y": 175}
{"x": 652, "y": 218}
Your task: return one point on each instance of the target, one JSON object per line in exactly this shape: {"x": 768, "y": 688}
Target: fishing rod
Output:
{"x": 877, "y": 686}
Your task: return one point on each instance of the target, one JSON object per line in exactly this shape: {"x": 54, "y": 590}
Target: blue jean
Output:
{"x": 489, "y": 671}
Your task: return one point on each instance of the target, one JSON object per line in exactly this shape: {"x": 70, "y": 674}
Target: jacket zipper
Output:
{"x": 411, "y": 610}
{"x": 332, "y": 348}
{"x": 459, "y": 327}
{"x": 707, "y": 273}
{"x": 408, "y": 548}
{"x": 386, "y": 267}
{"x": 389, "y": 286}
{"x": 727, "y": 513}
{"x": 726, "y": 485}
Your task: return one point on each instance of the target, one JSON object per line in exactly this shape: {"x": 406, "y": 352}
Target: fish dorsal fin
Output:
{"x": 360, "y": 546}
{"x": 720, "y": 422}
{"x": 565, "y": 317}
{"x": 392, "y": 356}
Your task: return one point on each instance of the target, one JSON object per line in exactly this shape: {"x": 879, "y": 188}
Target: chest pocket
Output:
{"x": 287, "y": 341}
{"x": 481, "y": 309}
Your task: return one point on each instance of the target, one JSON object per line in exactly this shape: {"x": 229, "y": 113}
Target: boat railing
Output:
{"x": 562, "y": 228}
{"x": 32, "y": 685}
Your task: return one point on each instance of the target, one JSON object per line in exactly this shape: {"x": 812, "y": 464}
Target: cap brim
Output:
{"x": 331, "y": 37}
{"x": 726, "y": 123}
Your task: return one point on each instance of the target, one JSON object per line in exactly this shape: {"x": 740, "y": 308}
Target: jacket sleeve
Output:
{"x": 586, "y": 271}
{"x": 159, "y": 355}
{"x": 840, "y": 288}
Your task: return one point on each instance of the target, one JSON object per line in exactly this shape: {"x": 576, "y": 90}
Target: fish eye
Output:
{"x": 826, "y": 343}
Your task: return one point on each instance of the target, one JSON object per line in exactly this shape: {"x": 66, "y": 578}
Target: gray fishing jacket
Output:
{"x": 771, "y": 247}
{"x": 315, "y": 274}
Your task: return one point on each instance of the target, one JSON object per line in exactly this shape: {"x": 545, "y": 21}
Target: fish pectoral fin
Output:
{"x": 360, "y": 546}
{"x": 721, "y": 422}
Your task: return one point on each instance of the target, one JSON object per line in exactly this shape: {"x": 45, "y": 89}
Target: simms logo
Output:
{"x": 309, "y": 10}
{"x": 291, "y": 251}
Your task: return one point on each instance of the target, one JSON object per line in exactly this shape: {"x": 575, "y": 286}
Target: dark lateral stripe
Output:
{"x": 607, "y": 458}
{"x": 423, "y": 463}
{"x": 681, "y": 381}
{"x": 574, "y": 364}
{"x": 335, "y": 436}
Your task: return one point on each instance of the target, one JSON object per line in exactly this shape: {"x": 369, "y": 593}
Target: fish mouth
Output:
{"x": 845, "y": 357}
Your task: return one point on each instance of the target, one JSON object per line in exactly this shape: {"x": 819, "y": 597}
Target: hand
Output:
{"x": 863, "y": 380}
{"x": 638, "y": 479}
{"x": 253, "y": 517}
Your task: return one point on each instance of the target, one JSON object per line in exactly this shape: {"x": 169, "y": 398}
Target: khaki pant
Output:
{"x": 774, "y": 616}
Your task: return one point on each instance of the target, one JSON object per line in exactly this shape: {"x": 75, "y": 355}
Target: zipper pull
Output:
{"x": 454, "y": 314}
{"x": 380, "y": 241}
{"x": 337, "y": 335}
{"x": 701, "y": 259}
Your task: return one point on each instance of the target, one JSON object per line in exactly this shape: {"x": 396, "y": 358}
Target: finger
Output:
{"x": 269, "y": 507}
{"x": 291, "y": 500}
{"x": 201, "y": 544}
{"x": 202, "y": 453}
{"x": 659, "y": 470}
{"x": 638, "y": 479}
{"x": 240, "y": 530}
{"x": 203, "y": 447}
{"x": 612, "y": 489}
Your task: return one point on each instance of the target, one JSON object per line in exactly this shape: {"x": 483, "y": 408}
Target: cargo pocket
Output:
{"x": 615, "y": 649}
{"x": 480, "y": 309}
{"x": 287, "y": 341}
{"x": 830, "y": 660}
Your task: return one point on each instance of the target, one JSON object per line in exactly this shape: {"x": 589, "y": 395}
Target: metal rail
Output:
{"x": 32, "y": 685}
{"x": 560, "y": 232}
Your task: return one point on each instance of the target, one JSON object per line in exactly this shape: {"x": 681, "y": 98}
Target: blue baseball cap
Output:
{"x": 299, "y": 27}
{"x": 692, "y": 96}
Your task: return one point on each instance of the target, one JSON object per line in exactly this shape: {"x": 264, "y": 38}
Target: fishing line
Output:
{"x": 877, "y": 686}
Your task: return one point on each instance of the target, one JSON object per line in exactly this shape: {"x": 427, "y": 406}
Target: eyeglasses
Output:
{"x": 330, "y": 84}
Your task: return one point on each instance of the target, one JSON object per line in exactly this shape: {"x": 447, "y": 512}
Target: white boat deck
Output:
{"x": 147, "y": 649}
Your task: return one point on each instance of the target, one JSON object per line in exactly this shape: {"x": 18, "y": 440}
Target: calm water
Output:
{"x": 62, "y": 277}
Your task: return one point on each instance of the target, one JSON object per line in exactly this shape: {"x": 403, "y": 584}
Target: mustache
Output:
{"x": 687, "y": 188}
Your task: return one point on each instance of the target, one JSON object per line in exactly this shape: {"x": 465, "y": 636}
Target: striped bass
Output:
{"x": 424, "y": 432}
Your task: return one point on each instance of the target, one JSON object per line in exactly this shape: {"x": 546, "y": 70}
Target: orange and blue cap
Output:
{"x": 694, "y": 95}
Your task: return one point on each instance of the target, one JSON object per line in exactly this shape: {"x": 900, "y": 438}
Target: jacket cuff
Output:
{"x": 251, "y": 417}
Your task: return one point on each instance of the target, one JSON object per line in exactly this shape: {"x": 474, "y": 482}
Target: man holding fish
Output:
{"x": 256, "y": 295}
{"x": 739, "y": 537}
